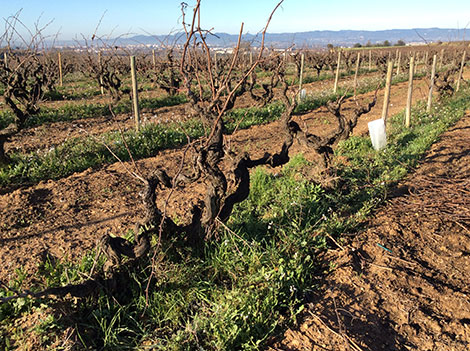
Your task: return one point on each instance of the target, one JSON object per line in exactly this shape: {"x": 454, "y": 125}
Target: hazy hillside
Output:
{"x": 313, "y": 38}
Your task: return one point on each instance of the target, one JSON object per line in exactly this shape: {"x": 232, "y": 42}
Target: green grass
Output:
{"x": 65, "y": 93}
{"x": 364, "y": 86}
{"x": 78, "y": 154}
{"x": 235, "y": 292}
{"x": 311, "y": 77}
{"x": 72, "y": 112}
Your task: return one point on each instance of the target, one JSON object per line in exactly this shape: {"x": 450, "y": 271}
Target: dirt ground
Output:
{"x": 404, "y": 282}
{"x": 409, "y": 293}
{"x": 65, "y": 217}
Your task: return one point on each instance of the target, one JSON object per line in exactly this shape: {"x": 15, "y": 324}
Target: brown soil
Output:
{"x": 412, "y": 298}
{"x": 412, "y": 292}
{"x": 64, "y": 218}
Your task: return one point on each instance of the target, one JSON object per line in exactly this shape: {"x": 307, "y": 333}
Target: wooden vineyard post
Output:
{"x": 5, "y": 59}
{"x": 370, "y": 60}
{"x": 302, "y": 60}
{"x": 154, "y": 59}
{"x": 61, "y": 81}
{"x": 358, "y": 61}
{"x": 135, "y": 97}
{"x": 101, "y": 78}
{"x": 335, "y": 88}
{"x": 388, "y": 85}
{"x": 441, "y": 59}
{"x": 431, "y": 85}
{"x": 410, "y": 93}
{"x": 461, "y": 70}
{"x": 251, "y": 64}
{"x": 398, "y": 63}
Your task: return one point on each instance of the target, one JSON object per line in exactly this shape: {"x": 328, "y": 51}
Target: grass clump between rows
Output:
{"x": 71, "y": 112}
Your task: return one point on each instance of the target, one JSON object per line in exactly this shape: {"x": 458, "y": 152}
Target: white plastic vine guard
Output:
{"x": 378, "y": 135}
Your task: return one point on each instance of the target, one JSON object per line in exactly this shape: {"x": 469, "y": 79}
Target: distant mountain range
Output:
{"x": 300, "y": 39}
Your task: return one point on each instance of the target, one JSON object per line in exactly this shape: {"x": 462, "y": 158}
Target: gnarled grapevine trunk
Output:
{"x": 323, "y": 145}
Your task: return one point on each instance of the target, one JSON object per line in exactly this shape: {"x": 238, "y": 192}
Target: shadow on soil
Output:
{"x": 62, "y": 227}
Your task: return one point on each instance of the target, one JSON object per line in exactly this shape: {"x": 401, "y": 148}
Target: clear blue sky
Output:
{"x": 73, "y": 18}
